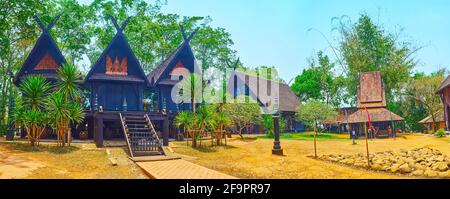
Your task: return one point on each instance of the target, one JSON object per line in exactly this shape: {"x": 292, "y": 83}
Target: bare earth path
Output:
{"x": 253, "y": 158}
{"x": 180, "y": 169}
{"x": 81, "y": 161}
{"x": 15, "y": 166}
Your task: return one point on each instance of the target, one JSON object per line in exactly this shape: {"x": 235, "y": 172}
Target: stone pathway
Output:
{"x": 180, "y": 169}
{"x": 13, "y": 166}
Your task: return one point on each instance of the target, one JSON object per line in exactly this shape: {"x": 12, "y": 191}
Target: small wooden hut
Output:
{"x": 339, "y": 123}
{"x": 180, "y": 63}
{"x": 439, "y": 121}
{"x": 371, "y": 102}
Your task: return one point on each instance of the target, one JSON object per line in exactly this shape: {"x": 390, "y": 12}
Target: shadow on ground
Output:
{"x": 24, "y": 147}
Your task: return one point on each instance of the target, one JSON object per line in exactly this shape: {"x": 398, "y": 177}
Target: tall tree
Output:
{"x": 423, "y": 90}
{"x": 313, "y": 113}
{"x": 154, "y": 35}
{"x": 366, "y": 46}
{"x": 318, "y": 82}
{"x": 18, "y": 35}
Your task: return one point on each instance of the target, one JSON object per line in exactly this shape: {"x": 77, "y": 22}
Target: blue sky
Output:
{"x": 275, "y": 32}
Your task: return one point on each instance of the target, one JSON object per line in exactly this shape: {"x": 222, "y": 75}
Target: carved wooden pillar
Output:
{"x": 98, "y": 130}
{"x": 165, "y": 129}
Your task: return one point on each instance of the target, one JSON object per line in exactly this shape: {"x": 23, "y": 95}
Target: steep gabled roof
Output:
{"x": 118, "y": 48}
{"x": 45, "y": 58}
{"x": 370, "y": 92}
{"x": 155, "y": 77}
{"x": 444, "y": 84}
{"x": 288, "y": 101}
{"x": 428, "y": 119}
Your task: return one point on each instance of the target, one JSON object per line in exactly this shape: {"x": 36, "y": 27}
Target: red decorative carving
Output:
{"x": 46, "y": 63}
{"x": 179, "y": 70}
{"x": 116, "y": 68}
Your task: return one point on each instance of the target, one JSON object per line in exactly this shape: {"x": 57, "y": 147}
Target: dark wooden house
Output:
{"x": 180, "y": 63}
{"x": 117, "y": 82}
{"x": 270, "y": 95}
{"x": 45, "y": 58}
{"x": 371, "y": 102}
{"x": 339, "y": 123}
{"x": 444, "y": 93}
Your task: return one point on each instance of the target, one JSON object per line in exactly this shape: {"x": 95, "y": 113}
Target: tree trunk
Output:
{"x": 240, "y": 132}
{"x": 315, "y": 148}
{"x": 194, "y": 141}
{"x": 434, "y": 123}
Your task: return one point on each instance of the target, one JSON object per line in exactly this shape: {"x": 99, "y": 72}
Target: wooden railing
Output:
{"x": 125, "y": 131}
{"x": 153, "y": 131}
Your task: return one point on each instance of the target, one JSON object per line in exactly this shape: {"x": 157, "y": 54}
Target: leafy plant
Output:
{"x": 268, "y": 124}
{"x": 30, "y": 108}
{"x": 440, "y": 133}
{"x": 313, "y": 113}
{"x": 65, "y": 102}
{"x": 243, "y": 115}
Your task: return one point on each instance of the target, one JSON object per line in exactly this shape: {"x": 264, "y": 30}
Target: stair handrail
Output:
{"x": 126, "y": 134}
{"x": 153, "y": 128}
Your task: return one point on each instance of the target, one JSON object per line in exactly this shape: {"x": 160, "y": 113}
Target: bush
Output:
{"x": 440, "y": 133}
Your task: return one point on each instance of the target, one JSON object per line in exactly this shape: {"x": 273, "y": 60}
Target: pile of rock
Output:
{"x": 419, "y": 162}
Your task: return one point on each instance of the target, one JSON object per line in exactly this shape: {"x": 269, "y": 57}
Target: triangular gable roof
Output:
{"x": 370, "y": 92}
{"x": 288, "y": 101}
{"x": 155, "y": 77}
{"x": 118, "y": 47}
{"x": 428, "y": 119}
{"x": 444, "y": 84}
{"x": 45, "y": 48}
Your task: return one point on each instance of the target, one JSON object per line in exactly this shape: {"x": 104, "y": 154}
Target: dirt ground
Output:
{"x": 252, "y": 158}
{"x": 80, "y": 161}
{"x": 249, "y": 158}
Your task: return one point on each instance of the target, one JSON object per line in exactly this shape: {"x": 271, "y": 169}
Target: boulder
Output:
{"x": 404, "y": 168}
{"x": 440, "y": 166}
{"x": 430, "y": 173}
{"x": 394, "y": 168}
{"x": 418, "y": 166}
{"x": 445, "y": 174}
{"x": 418, "y": 172}
{"x": 376, "y": 167}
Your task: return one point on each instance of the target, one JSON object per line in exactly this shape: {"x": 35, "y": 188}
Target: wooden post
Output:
{"x": 277, "y": 150}
{"x": 69, "y": 136}
{"x": 98, "y": 132}
{"x": 165, "y": 130}
{"x": 367, "y": 144}
{"x": 315, "y": 148}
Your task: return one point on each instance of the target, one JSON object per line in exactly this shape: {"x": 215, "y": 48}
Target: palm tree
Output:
{"x": 62, "y": 113}
{"x": 30, "y": 107}
{"x": 69, "y": 79}
{"x": 221, "y": 122}
{"x": 184, "y": 119}
{"x": 65, "y": 102}
{"x": 34, "y": 91}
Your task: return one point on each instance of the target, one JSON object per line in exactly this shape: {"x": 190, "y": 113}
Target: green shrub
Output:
{"x": 440, "y": 133}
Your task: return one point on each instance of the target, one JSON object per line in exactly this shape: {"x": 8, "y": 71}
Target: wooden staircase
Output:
{"x": 141, "y": 137}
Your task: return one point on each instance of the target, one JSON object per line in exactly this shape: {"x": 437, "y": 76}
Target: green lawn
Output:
{"x": 309, "y": 136}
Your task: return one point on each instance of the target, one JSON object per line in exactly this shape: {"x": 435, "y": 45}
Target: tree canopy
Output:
{"x": 84, "y": 30}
